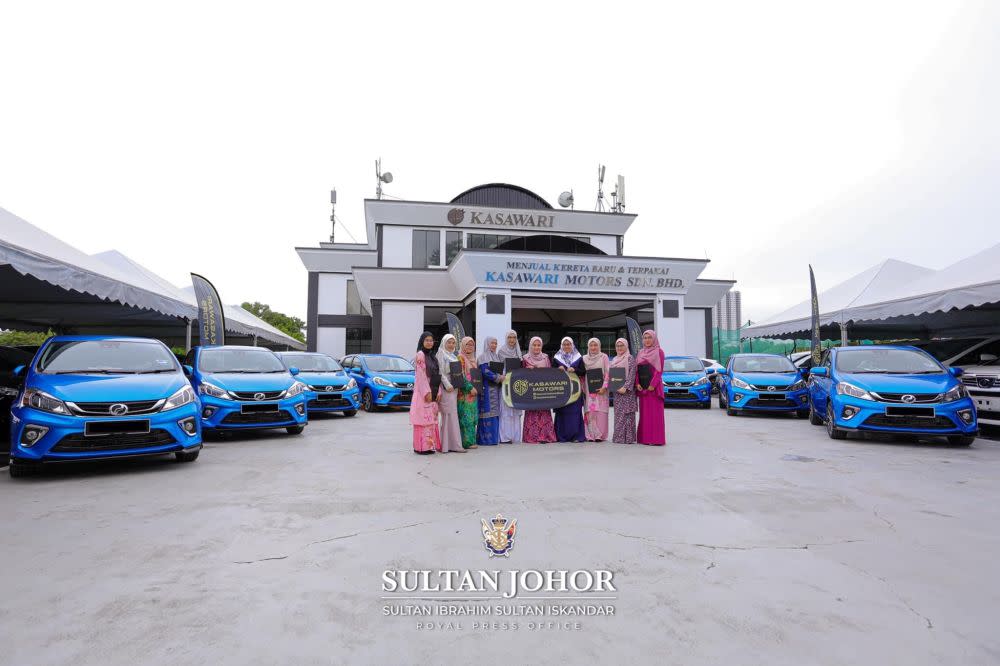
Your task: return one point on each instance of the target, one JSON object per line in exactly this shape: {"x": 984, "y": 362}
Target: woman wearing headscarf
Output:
{"x": 625, "y": 400}
{"x": 569, "y": 419}
{"x": 596, "y": 414}
{"x": 468, "y": 398}
{"x": 451, "y": 432}
{"x": 489, "y": 400}
{"x": 652, "y": 429}
{"x": 510, "y": 418}
{"x": 537, "y": 422}
{"x": 423, "y": 404}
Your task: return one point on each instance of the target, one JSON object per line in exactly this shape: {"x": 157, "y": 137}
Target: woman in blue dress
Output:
{"x": 569, "y": 419}
{"x": 488, "y": 433}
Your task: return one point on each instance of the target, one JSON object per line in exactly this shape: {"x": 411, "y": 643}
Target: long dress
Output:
{"x": 423, "y": 414}
{"x": 569, "y": 419}
{"x": 451, "y": 430}
{"x": 468, "y": 408}
{"x": 538, "y": 423}
{"x": 489, "y": 408}
{"x": 626, "y": 405}
{"x": 510, "y": 423}
{"x": 652, "y": 428}
{"x": 596, "y": 415}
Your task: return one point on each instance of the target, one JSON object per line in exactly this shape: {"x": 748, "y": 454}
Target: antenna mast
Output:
{"x": 600, "y": 189}
{"x": 333, "y": 213}
{"x": 380, "y": 178}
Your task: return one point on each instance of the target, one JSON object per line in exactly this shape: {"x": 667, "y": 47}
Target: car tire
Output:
{"x": 368, "y": 401}
{"x": 20, "y": 470}
{"x": 961, "y": 440}
{"x": 814, "y": 418}
{"x": 187, "y": 456}
{"x": 832, "y": 430}
{"x": 295, "y": 430}
{"x": 350, "y": 412}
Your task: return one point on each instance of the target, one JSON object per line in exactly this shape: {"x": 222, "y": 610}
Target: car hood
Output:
{"x": 109, "y": 388}
{"x": 981, "y": 369}
{"x": 768, "y": 378}
{"x": 324, "y": 378}
{"x": 901, "y": 383}
{"x": 682, "y": 376}
{"x": 396, "y": 377}
{"x": 276, "y": 381}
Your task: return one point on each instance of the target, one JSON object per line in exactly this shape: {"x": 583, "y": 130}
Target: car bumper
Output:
{"x": 692, "y": 395}
{"x": 217, "y": 414}
{"x": 65, "y": 438}
{"x": 339, "y": 401}
{"x": 764, "y": 401}
{"x": 386, "y": 396}
{"x": 854, "y": 414}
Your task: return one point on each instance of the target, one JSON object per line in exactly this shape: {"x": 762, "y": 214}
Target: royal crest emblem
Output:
{"x": 498, "y": 535}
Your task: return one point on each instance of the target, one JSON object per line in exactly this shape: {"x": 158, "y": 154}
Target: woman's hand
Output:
{"x": 473, "y": 392}
{"x": 622, "y": 390}
{"x": 602, "y": 391}
{"x": 449, "y": 389}
{"x": 427, "y": 397}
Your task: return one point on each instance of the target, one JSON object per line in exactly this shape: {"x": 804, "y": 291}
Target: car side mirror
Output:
{"x": 188, "y": 370}
{"x": 19, "y": 371}
{"x": 709, "y": 371}
{"x": 294, "y": 371}
{"x": 820, "y": 372}
{"x": 804, "y": 371}
{"x": 987, "y": 358}
{"x": 956, "y": 372}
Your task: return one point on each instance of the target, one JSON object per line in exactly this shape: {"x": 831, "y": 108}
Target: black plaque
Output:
{"x": 476, "y": 377}
{"x": 616, "y": 379}
{"x": 595, "y": 379}
{"x": 645, "y": 375}
{"x": 455, "y": 374}
{"x": 540, "y": 388}
{"x": 496, "y": 367}
{"x": 511, "y": 364}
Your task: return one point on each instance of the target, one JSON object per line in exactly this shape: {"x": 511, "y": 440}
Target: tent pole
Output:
{"x": 843, "y": 334}
{"x": 187, "y": 337}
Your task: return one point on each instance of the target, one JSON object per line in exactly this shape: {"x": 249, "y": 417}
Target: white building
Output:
{"x": 500, "y": 257}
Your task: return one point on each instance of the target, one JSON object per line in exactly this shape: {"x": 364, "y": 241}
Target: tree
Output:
{"x": 31, "y": 338}
{"x": 293, "y": 326}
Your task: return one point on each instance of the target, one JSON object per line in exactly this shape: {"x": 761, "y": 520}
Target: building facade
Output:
{"x": 499, "y": 257}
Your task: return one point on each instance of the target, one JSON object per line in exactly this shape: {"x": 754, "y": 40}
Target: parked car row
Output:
{"x": 95, "y": 397}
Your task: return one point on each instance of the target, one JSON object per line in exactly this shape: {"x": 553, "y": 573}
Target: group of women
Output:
{"x": 450, "y": 415}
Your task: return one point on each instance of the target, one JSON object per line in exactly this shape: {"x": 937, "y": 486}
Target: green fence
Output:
{"x": 726, "y": 343}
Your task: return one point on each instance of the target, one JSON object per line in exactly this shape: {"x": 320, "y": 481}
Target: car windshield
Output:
{"x": 239, "y": 360}
{"x": 887, "y": 362}
{"x": 943, "y": 350}
{"x": 311, "y": 362}
{"x": 388, "y": 364}
{"x": 110, "y": 357}
{"x": 752, "y": 364}
{"x": 682, "y": 365}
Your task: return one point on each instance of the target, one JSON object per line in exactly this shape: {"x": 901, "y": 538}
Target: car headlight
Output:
{"x": 740, "y": 384}
{"x": 798, "y": 386}
{"x": 295, "y": 389}
{"x": 843, "y": 388}
{"x": 351, "y": 384}
{"x": 183, "y": 397}
{"x": 701, "y": 381}
{"x": 43, "y": 401}
{"x": 956, "y": 393}
{"x": 211, "y": 389}
{"x": 381, "y": 381}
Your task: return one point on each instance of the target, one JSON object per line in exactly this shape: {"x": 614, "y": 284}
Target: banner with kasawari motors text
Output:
{"x": 211, "y": 318}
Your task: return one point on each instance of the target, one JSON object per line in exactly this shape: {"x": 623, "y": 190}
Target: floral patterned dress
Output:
{"x": 468, "y": 408}
{"x": 538, "y": 426}
{"x": 626, "y": 406}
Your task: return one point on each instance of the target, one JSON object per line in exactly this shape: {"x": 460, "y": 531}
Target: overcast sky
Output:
{"x": 765, "y": 135}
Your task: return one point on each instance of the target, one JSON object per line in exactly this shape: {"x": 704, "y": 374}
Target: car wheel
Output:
{"x": 367, "y": 402}
{"x": 831, "y": 429}
{"x": 961, "y": 440}
{"x": 19, "y": 470}
{"x": 187, "y": 456}
{"x": 350, "y": 412}
{"x": 295, "y": 430}
{"x": 814, "y": 418}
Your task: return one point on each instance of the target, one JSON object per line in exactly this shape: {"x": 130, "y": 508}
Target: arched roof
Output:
{"x": 501, "y": 195}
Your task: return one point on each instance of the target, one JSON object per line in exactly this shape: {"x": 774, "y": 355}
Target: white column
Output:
{"x": 670, "y": 329}
{"x": 495, "y": 324}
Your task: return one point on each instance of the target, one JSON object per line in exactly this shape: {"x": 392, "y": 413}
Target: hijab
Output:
{"x": 592, "y": 361}
{"x": 532, "y": 359}
{"x": 651, "y": 355}
{"x": 470, "y": 357}
{"x": 509, "y": 351}
{"x": 444, "y": 357}
{"x": 430, "y": 358}
{"x": 488, "y": 356}
{"x": 621, "y": 360}
{"x": 570, "y": 358}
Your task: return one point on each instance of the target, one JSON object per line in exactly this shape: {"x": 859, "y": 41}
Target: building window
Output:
{"x": 452, "y": 245}
{"x": 358, "y": 341}
{"x": 354, "y": 305}
{"x": 488, "y": 241}
{"x": 426, "y": 248}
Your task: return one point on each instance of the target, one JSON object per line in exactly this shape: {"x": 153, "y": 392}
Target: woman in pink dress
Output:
{"x": 423, "y": 404}
{"x": 652, "y": 429}
{"x": 596, "y": 414}
{"x": 538, "y": 425}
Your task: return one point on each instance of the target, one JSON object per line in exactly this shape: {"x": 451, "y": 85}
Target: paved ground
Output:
{"x": 751, "y": 540}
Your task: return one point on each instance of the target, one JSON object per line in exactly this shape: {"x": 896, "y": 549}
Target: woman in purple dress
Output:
{"x": 625, "y": 400}
{"x": 652, "y": 429}
{"x": 569, "y": 419}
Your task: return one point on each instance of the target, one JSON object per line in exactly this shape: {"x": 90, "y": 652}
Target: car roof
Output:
{"x": 371, "y": 355}
{"x": 863, "y": 347}
{"x": 243, "y": 347}
{"x": 85, "y": 338}
{"x": 757, "y": 354}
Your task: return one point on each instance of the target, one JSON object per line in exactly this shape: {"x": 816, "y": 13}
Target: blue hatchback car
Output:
{"x": 331, "y": 389}
{"x": 92, "y": 397}
{"x": 247, "y": 387}
{"x": 385, "y": 380}
{"x": 763, "y": 383}
{"x": 686, "y": 381}
{"x": 881, "y": 388}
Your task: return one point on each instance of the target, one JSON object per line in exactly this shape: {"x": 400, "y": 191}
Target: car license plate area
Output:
{"x": 405, "y": 395}
{"x": 677, "y": 391}
{"x": 101, "y": 428}
{"x": 771, "y": 396}
{"x": 258, "y": 408}
{"x": 924, "y": 412}
{"x": 328, "y": 397}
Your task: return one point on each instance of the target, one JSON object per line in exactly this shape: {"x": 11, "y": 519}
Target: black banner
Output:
{"x": 540, "y": 388}
{"x": 211, "y": 319}
{"x": 616, "y": 379}
{"x": 815, "y": 345}
{"x": 455, "y": 328}
{"x": 634, "y": 335}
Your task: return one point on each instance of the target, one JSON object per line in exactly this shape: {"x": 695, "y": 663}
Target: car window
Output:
{"x": 762, "y": 364}
{"x": 706, "y": 363}
{"x": 976, "y": 357}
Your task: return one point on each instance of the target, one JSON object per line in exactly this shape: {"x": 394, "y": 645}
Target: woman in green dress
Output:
{"x": 468, "y": 398}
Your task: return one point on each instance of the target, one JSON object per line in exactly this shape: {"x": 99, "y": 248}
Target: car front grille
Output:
{"x": 330, "y": 402}
{"x": 277, "y": 416}
{"x": 918, "y": 398}
{"x": 687, "y": 395}
{"x": 250, "y": 395}
{"x": 770, "y": 387}
{"x": 79, "y": 443}
{"x": 981, "y": 381}
{"x": 917, "y": 422}
{"x": 104, "y": 408}
{"x": 754, "y": 402}
{"x": 323, "y": 387}
{"x": 403, "y": 384}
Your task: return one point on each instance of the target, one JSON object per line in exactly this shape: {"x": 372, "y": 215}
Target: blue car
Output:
{"x": 93, "y": 397}
{"x": 882, "y": 388}
{"x": 763, "y": 383}
{"x": 331, "y": 389}
{"x": 385, "y": 380}
{"x": 686, "y": 381}
{"x": 244, "y": 388}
